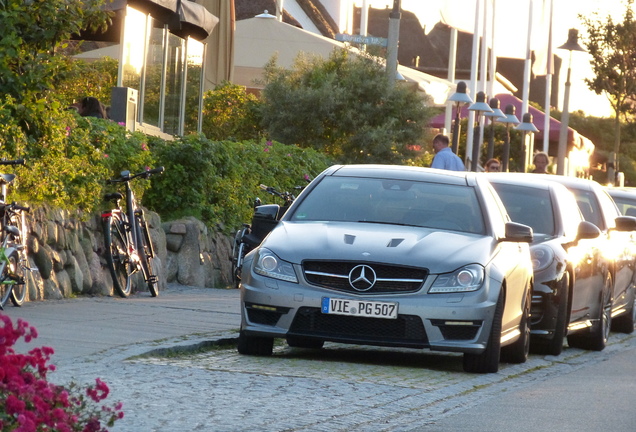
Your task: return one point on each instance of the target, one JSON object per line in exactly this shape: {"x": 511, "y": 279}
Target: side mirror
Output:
{"x": 587, "y": 230}
{"x": 519, "y": 233}
{"x": 264, "y": 220}
{"x": 626, "y": 223}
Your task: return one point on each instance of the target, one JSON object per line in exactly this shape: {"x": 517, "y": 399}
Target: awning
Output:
{"x": 195, "y": 21}
{"x": 183, "y": 17}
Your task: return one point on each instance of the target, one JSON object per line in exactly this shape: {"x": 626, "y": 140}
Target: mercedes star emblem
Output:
{"x": 362, "y": 278}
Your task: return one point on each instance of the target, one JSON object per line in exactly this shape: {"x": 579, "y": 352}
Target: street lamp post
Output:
{"x": 527, "y": 127}
{"x": 480, "y": 107}
{"x": 572, "y": 44}
{"x": 459, "y": 97}
{"x": 393, "y": 41}
{"x": 493, "y": 116}
{"x": 509, "y": 119}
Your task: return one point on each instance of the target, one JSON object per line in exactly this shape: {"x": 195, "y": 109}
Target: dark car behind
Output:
{"x": 572, "y": 283}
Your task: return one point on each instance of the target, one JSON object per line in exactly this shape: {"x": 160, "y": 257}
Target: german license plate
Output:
{"x": 373, "y": 309}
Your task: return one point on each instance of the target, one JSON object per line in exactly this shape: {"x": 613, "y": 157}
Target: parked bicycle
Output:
{"x": 264, "y": 219}
{"x": 13, "y": 250}
{"x": 129, "y": 249}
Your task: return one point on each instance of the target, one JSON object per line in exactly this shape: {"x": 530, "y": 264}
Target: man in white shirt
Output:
{"x": 444, "y": 156}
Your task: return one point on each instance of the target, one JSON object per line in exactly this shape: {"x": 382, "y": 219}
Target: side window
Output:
{"x": 589, "y": 206}
{"x": 609, "y": 208}
{"x": 570, "y": 212}
{"x": 496, "y": 209}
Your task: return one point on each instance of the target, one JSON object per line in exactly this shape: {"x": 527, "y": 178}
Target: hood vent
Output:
{"x": 395, "y": 242}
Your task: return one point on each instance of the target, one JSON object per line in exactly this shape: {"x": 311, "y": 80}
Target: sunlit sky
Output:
{"x": 516, "y": 12}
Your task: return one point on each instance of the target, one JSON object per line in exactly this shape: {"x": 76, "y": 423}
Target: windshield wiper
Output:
{"x": 386, "y": 223}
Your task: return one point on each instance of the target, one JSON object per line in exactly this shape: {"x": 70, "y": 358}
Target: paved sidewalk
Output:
{"x": 77, "y": 328}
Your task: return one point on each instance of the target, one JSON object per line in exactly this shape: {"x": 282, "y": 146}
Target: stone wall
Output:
{"x": 65, "y": 252}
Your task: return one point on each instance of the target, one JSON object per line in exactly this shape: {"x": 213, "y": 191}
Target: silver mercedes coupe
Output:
{"x": 392, "y": 256}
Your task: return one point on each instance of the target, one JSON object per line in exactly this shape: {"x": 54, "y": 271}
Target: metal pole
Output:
{"x": 506, "y": 150}
{"x": 474, "y": 163}
{"x": 456, "y": 129}
{"x": 565, "y": 119}
{"x": 392, "y": 42}
{"x": 491, "y": 140}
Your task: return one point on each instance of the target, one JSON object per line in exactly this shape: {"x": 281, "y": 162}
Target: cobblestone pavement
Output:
{"x": 338, "y": 388}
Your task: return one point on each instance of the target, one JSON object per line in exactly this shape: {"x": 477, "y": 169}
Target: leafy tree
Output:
{"x": 612, "y": 46}
{"x": 95, "y": 78}
{"x": 343, "y": 106}
{"x": 229, "y": 112}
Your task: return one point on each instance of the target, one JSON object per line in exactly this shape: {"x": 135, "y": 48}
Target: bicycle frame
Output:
{"x": 129, "y": 246}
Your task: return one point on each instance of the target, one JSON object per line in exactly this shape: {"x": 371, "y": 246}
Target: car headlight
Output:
{"x": 467, "y": 278}
{"x": 268, "y": 264}
{"x": 542, "y": 256}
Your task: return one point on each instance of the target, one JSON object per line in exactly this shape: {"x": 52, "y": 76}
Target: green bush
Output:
{"x": 229, "y": 112}
{"x": 70, "y": 159}
{"x": 217, "y": 181}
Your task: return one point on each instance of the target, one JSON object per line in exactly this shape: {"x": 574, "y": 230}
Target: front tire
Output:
{"x": 119, "y": 264}
{"x": 146, "y": 258}
{"x": 554, "y": 346}
{"x": 19, "y": 291}
{"x": 301, "y": 342}
{"x": 488, "y": 361}
{"x": 596, "y": 339}
{"x": 518, "y": 351}
{"x": 625, "y": 322}
{"x": 255, "y": 345}
{"x": 10, "y": 279}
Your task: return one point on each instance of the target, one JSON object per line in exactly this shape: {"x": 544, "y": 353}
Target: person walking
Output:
{"x": 444, "y": 156}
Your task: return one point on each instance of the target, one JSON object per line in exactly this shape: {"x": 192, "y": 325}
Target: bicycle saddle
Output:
{"x": 6, "y": 178}
{"x": 113, "y": 196}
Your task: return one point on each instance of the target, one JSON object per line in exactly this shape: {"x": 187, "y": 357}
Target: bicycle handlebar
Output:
{"x": 288, "y": 197}
{"x": 12, "y": 162}
{"x": 19, "y": 207}
{"x": 126, "y": 176}
{"x": 15, "y": 206}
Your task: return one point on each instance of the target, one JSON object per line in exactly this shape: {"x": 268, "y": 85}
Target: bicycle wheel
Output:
{"x": 9, "y": 278}
{"x": 19, "y": 291}
{"x": 146, "y": 255}
{"x": 116, "y": 254}
{"x": 238, "y": 249}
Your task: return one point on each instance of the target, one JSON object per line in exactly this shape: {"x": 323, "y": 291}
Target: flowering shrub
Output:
{"x": 28, "y": 402}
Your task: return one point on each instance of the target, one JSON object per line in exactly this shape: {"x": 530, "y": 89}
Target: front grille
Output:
{"x": 388, "y": 278}
{"x": 537, "y": 308}
{"x": 405, "y": 330}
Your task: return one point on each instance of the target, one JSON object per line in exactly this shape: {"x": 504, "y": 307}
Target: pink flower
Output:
{"x": 307, "y": 177}
{"x": 269, "y": 143}
{"x": 144, "y": 147}
{"x": 68, "y": 130}
{"x": 121, "y": 123}
{"x": 105, "y": 155}
{"x": 288, "y": 154}
{"x": 266, "y": 149}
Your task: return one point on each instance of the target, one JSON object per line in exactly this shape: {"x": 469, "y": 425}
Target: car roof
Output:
{"x": 571, "y": 182}
{"x": 522, "y": 179}
{"x": 403, "y": 172}
{"x": 625, "y": 192}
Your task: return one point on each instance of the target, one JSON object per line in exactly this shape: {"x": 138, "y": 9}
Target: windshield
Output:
{"x": 529, "y": 206}
{"x": 375, "y": 200}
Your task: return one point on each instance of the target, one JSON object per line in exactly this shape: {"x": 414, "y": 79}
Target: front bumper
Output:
{"x": 546, "y": 297}
{"x": 458, "y": 322}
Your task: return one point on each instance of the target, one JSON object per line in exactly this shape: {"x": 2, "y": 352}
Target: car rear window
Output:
{"x": 404, "y": 202}
{"x": 529, "y": 206}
